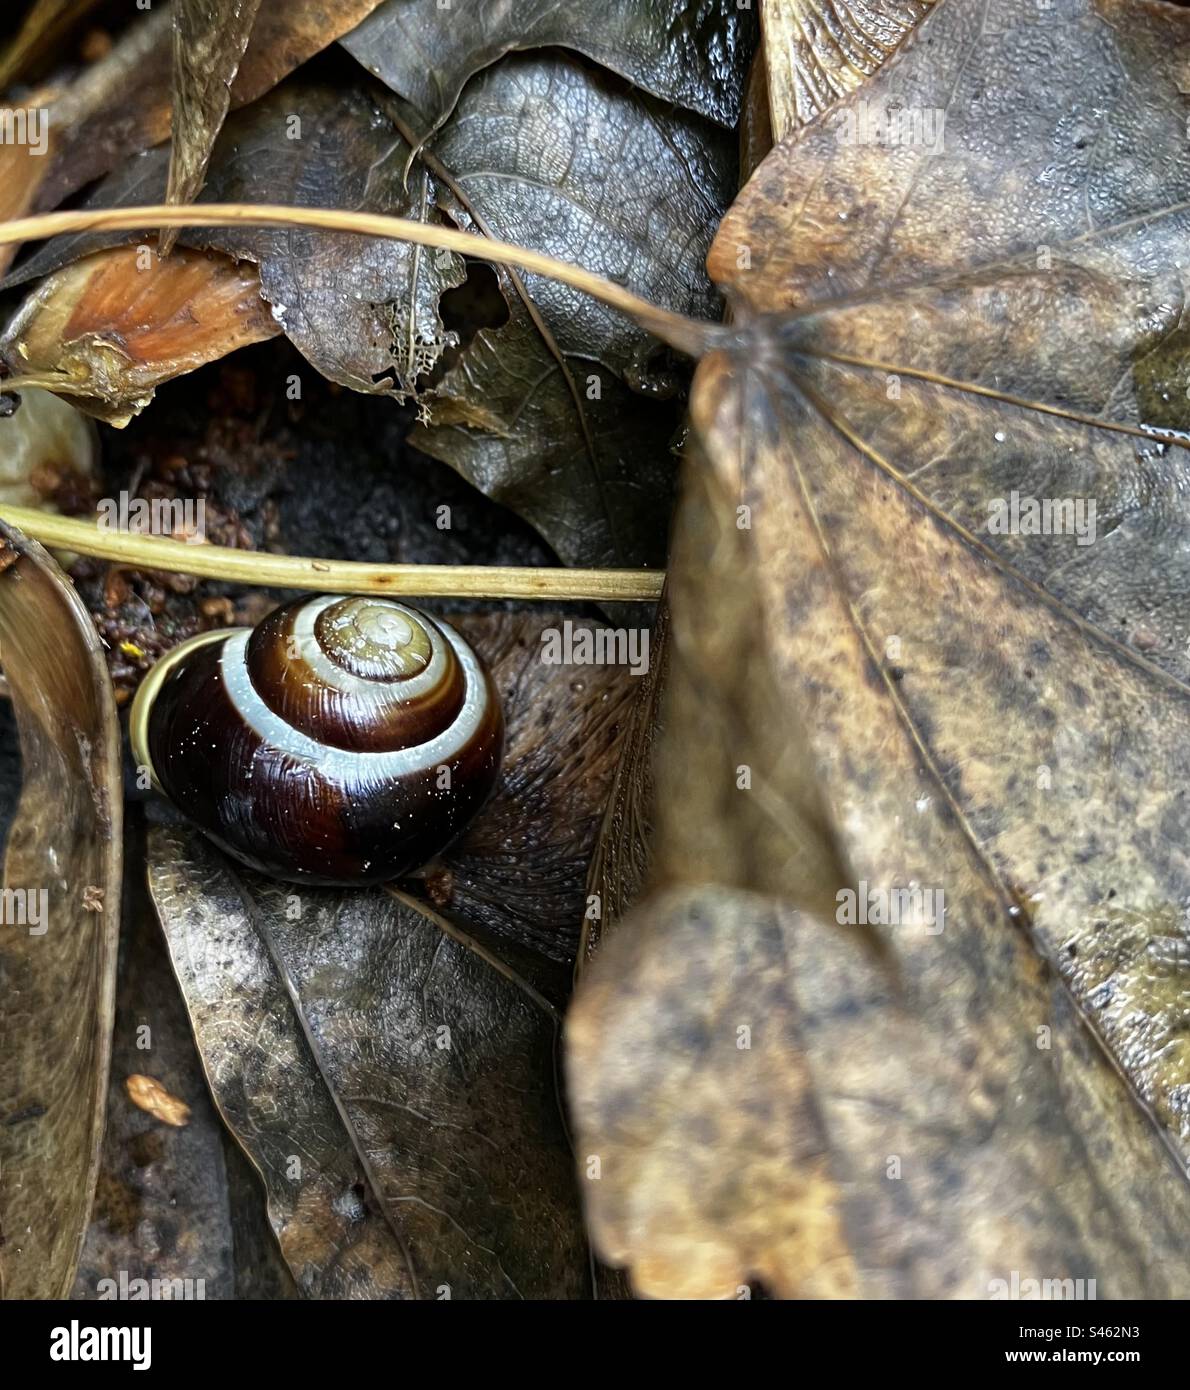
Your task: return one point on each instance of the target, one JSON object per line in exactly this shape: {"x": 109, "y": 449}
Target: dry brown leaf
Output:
{"x": 109, "y": 329}
{"x": 998, "y": 717}
{"x": 210, "y": 38}
{"x": 58, "y": 969}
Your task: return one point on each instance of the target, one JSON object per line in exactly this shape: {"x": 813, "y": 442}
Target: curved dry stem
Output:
{"x": 689, "y": 336}
{"x": 268, "y": 571}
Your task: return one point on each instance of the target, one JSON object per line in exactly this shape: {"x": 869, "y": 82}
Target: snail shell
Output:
{"x": 342, "y": 740}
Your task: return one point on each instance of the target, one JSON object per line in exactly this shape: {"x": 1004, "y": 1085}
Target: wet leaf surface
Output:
{"x": 62, "y": 881}
{"x": 924, "y": 327}
{"x": 516, "y": 879}
{"x": 210, "y": 37}
{"x": 538, "y": 413}
{"x": 694, "y": 55}
{"x": 161, "y": 1208}
{"x": 448, "y": 1145}
{"x": 420, "y": 1148}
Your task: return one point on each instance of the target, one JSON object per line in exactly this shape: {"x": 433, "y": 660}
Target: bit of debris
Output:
{"x": 150, "y": 1095}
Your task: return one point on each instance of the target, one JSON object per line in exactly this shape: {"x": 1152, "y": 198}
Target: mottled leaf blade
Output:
{"x": 692, "y": 54}
{"x": 331, "y": 1231}
{"x": 161, "y": 1210}
{"x": 1032, "y": 348}
{"x": 62, "y": 867}
{"x": 210, "y": 37}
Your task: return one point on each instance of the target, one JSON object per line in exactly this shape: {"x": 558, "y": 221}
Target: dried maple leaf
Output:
{"x": 960, "y": 285}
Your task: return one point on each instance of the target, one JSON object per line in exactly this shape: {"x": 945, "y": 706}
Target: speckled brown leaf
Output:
{"x": 706, "y": 1162}
{"x": 817, "y": 51}
{"x": 121, "y": 105}
{"x": 210, "y": 37}
{"x": 109, "y": 329}
{"x": 57, "y": 972}
{"x": 1002, "y": 717}
{"x": 693, "y": 53}
{"x": 161, "y": 1205}
{"x": 419, "y": 1151}
{"x": 516, "y": 878}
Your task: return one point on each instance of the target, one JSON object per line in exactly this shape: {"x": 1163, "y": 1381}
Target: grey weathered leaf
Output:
{"x": 266, "y": 1081}
{"x": 516, "y": 878}
{"x": 692, "y": 54}
{"x": 538, "y": 413}
{"x": 210, "y": 37}
{"x": 418, "y": 1146}
{"x": 62, "y": 912}
{"x": 161, "y": 1205}
{"x": 551, "y": 156}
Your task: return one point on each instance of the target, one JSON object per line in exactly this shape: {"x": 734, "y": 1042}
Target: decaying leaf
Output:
{"x": 710, "y": 1150}
{"x": 162, "y": 1211}
{"x": 110, "y": 328}
{"x": 332, "y": 1232}
{"x": 516, "y": 879}
{"x": 61, "y": 920}
{"x": 694, "y": 55}
{"x": 620, "y": 863}
{"x": 817, "y": 51}
{"x": 122, "y": 104}
{"x": 948, "y": 293}
{"x": 537, "y": 413}
{"x": 423, "y": 1022}
{"x": 419, "y": 1148}
{"x": 363, "y": 311}
{"x": 210, "y": 37}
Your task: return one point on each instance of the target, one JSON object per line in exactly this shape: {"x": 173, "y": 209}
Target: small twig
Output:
{"x": 265, "y": 570}
{"x": 689, "y": 336}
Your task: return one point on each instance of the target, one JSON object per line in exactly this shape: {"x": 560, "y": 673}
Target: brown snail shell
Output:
{"x": 342, "y": 740}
